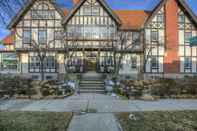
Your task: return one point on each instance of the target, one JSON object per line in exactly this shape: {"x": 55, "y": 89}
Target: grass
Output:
{"x": 159, "y": 121}
{"x": 34, "y": 121}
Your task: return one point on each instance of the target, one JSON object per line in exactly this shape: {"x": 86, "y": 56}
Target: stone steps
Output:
{"x": 92, "y": 83}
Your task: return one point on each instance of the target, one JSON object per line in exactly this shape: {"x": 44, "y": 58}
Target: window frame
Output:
{"x": 154, "y": 61}
{"x": 29, "y": 40}
{"x": 44, "y": 41}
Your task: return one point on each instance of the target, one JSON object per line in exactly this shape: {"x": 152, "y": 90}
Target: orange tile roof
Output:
{"x": 132, "y": 19}
{"x": 8, "y": 40}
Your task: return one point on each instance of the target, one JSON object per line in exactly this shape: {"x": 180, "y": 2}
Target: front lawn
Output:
{"x": 34, "y": 121}
{"x": 159, "y": 121}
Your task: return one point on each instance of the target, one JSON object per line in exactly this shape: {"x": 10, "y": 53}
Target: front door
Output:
{"x": 91, "y": 64}
{"x": 91, "y": 61}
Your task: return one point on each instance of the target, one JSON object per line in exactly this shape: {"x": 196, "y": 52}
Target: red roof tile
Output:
{"x": 132, "y": 19}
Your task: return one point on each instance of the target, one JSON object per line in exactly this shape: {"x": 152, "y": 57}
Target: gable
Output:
{"x": 181, "y": 4}
{"x": 33, "y": 5}
{"x": 105, "y": 9}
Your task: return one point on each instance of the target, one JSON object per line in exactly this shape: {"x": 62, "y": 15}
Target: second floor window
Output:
{"x": 154, "y": 36}
{"x": 42, "y": 36}
{"x": 188, "y": 35}
{"x": 134, "y": 62}
{"x": 136, "y": 38}
{"x": 26, "y": 36}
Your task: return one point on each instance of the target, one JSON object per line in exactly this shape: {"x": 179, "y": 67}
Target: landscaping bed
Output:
{"x": 158, "y": 121}
{"x": 159, "y": 88}
{"x": 34, "y": 121}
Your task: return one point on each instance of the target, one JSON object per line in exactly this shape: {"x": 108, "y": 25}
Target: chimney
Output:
{"x": 75, "y": 2}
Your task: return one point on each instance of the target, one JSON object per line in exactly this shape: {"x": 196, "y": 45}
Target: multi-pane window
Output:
{"x": 136, "y": 38}
{"x": 42, "y": 12}
{"x": 59, "y": 35}
{"x": 160, "y": 18}
{"x": 8, "y": 61}
{"x": 154, "y": 63}
{"x": 26, "y": 36}
{"x": 154, "y": 36}
{"x": 188, "y": 63}
{"x": 134, "y": 62}
{"x": 50, "y": 62}
{"x": 34, "y": 62}
{"x": 42, "y": 36}
{"x": 181, "y": 18}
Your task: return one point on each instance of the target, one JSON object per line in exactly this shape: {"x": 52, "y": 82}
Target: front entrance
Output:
{"x": 91, "y": 61}
{"x": 91, "y": 64}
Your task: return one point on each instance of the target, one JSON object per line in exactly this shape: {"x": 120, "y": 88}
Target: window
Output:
{"x": 134, "y": 62}
{"x": 26, "y": 36}
{"x": 188, "y": 63}
{"x": 188, "y": 35}
{"x": 95, "y": 11}
{"x": 42, "y": 12}
{"x": 154, "y": 63}
{"x": 9, "y": 61}
{"x": 87, "y": 10}
{"x": 160, "y": 18}
{"x": 181, "y": 18}
{"x": 154, "y": 36}
{"x": 50, "y": 62}
{"x": 34, "y": 62}
{"x": 42, "y": 36}
{"x": 58, "y": 35}
{"x": 136, "y": 38}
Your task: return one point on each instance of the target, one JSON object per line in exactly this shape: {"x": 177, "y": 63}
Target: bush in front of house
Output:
{"x": 162, "y": 88}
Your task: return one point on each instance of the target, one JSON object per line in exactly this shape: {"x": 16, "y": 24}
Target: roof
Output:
{"x": 102, "y": 2}
{"x": 75, "y": 1}
{"x": 66, "y": 11}
{"x": 8, "y": 40}
{"x": 132, "y": 19}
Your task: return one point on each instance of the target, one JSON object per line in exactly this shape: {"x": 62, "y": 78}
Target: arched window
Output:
{"x": 42, "y": 11}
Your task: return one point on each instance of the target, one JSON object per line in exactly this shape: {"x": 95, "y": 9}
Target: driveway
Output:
{"x": 98, "y": 102}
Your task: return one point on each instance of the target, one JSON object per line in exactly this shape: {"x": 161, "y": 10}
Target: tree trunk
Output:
{"x": 42, "y": 69}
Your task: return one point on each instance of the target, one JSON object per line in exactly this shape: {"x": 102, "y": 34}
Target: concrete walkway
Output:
{"x": 100, "y": 103}
{"x": 94, "y": 122}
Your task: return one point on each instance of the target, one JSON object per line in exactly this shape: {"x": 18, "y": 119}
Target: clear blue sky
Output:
{"x": 117, "y": 4}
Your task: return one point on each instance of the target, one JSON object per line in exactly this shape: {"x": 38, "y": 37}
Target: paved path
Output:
{"x": 100, "y": 103}
{"x": 94, "y": 122}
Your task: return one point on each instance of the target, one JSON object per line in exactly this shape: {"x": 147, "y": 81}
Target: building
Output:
{"x": 159, "y": 39}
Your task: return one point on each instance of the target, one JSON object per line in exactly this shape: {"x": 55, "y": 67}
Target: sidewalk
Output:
{"x": 100, "y": 103}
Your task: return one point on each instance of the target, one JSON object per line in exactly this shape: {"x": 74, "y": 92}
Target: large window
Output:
{"x": 91, "y": 10}
{"x": 26, "y": 36}
{"x": 42, "y": 36}
{"x": 49, "y": 63}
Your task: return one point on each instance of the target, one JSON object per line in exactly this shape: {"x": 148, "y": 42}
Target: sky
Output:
{"x": 116, "y": 4}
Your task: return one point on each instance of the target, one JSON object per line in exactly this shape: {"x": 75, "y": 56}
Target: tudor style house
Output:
{"x": 84, "y": 39}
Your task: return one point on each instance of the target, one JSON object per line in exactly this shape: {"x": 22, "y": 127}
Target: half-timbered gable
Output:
{"x": 92, "y": 26}
{"x": 188, "y": 55}
{"x": 41, "y": 24}
{"x": 155, "y": 43}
